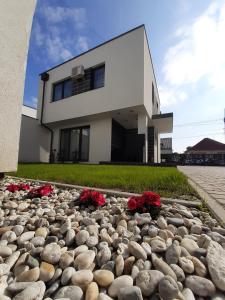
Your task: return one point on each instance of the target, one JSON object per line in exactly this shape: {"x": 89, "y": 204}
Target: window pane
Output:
{"x": 65, "y": 142}
{"x": 57, "y": 93}
{"x": 67, "y": 88}
{"x": 85, "y": 144}
{"x": 74, "y": 144}
{"x": 99, "y": 77}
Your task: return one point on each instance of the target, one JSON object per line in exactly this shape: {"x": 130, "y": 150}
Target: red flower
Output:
{"x": 93, "y": 197}
{"x": 40, "y": 191}
{"x": 151, "y": 198}
{"x": 12, "y": 188}
{"x": 132, "y": 203}
{"x": 23, "y": 187}
{"x": 140, "y": 202}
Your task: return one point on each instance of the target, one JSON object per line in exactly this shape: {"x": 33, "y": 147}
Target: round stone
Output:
{"x": 67, "y": 275}
{"x": 186, "y": 265}
{"x": 119, "y": 265}
{"x": 71, "y": 292}
{"x": 92, "y": 291}
{"x": 120, "y": 282}
{"x": 4, "y": 269}
{"x": 103, "y": 277}
{"x": 136, "y": 250}
{"x": 84, "y": 260}
{"x": 189, "y": 245}
{"x": 173, "y": 253}
{"x": 29, "y": 275}
{"x": 200, "y": 286}
{"x": 82, "y": 237}
{"x": 5, "y": 251}
{"x": 47, "y": 271}
{"x": 35, "y": 290}
{"x": 148, "y": 280}
{"x": 158, "y": 246}
{"x": 51, "y": 253}
{"x": 82, "y": 278}
{"x": 130, "y": 293}
{"x": 168, "y": 288}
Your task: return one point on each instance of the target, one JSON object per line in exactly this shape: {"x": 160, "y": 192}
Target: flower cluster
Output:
{"x": 147, "y": 202}
{"x": 41, "y": 191}
{"x": 90, "y": 197}
{"x": 17, "y": 187}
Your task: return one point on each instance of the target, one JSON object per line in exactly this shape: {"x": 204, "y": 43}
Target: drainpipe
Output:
{"x": 44, "y": 78}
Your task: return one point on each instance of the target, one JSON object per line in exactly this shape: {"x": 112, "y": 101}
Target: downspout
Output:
{"x": 44, "y": 78}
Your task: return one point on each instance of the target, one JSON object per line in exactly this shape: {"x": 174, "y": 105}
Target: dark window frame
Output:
{"x": 80, "y": 140}
{"x": 94, "y": 69}
{"x": 62, "y": 82}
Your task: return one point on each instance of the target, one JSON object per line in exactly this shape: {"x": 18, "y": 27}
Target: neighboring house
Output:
{"x": 166, "y": 149}
{"x": 34, "y": 138}
{"x": 206, "y": 151}
{"x": 15, "y": 24}
{"x": 103, "y": 105}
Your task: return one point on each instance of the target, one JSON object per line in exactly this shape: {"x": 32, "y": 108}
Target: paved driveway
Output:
{"x": 212, "y": 181}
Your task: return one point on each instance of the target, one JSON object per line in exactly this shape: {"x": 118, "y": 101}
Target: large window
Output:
{"x": 62, "y": 90}
{"x": 98, "y": 77}
{"x": 74, "y": 144}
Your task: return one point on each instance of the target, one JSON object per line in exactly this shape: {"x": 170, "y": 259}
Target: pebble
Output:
{"x": 148, "y": 280}
{"x": 119, "y": 265}
{"x": 82, "y": 237}
{"x": 4, "y": 269}
{"x": 163, "y": 267}
{"x": 189, "y": 245}
{"x": 51, "y": 253}
{"x": 71, "y": 292}
{"x": 92, "y": 292}
{"x": 67, "y": 275}
{"x": 130, "y": 293}
{"x": 103, "y": 277}
{"x": 168, "y": 288}
{"x": 5, "y": 251}
{"x": 216, "y": 264}
{"x": 173, "y": 253}
{"x": 200, "y": 286}
{"x": 35, "y": 290}
{"x": 84, "y": 260}
{"x": 136, "y": 250}
{"x": 118, "y": 283}
{"x": 29, "y": 275}
{"x": 82, "y": 278}
{"x": 158, "y": 246}
{"x": 47, "y": 271}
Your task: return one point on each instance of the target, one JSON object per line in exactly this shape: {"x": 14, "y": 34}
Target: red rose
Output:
{"x": 151, "y": 198}
{"x": 132, "y": 203}
{"x": 85, "y": 195}
{"x": 23, "y": 187}
{"x": 140, "y": 202}
{"x": 12, "y": 188}
{"x": 40, "y": 191}
{"x": 94, "y": 197}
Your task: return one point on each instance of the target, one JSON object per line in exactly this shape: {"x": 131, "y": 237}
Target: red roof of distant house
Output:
{"x": 208, "y": 145}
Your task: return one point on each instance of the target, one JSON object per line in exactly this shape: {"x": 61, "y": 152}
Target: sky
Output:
{"x": 187, "y": 42}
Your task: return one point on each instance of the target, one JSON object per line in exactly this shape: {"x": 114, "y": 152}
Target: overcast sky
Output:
{"x": 187, "y": 41}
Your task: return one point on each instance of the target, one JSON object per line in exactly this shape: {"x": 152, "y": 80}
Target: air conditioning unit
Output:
{"x": 77, "y": 72}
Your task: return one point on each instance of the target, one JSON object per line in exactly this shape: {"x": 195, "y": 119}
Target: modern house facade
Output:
{"x": 103, "y": 105}
{"x": 166, "y": 149}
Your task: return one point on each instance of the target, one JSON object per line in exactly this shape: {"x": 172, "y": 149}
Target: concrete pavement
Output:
{"x": 210, "y": 184}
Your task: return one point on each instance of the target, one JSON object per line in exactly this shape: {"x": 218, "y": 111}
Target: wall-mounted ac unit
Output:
{"x": 77, "y": 72}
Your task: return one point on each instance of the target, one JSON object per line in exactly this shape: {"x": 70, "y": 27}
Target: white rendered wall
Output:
{"x": 15, "y": 24}
{"x": 34, "y": 141}
{"x": 148, "y": 79}
{"x": 124, "y": 75}
{"x": 100, "y": 138}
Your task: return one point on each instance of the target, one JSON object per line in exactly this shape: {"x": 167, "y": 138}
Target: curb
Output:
{"x": 110, "y": 192}
{"x": 215, "y": 208}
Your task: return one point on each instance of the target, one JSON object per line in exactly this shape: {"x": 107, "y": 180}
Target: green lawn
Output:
{"x": 164, "y": 180}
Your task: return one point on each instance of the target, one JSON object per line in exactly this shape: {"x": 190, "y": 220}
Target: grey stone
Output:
{"x": 200, "y": 286}
{"x": 34, "y": 291}
{"x": 148, "y": 280}
{"x": 51, "y": 253}
{"x": 136, "y": 250}
{"x": 130, "y": 293}
{"x": 72, "y": 292}
{"x": 168, "y": 288}
{"x": 120, "y": 282}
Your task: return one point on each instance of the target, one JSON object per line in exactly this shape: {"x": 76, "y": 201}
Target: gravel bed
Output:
{"x": 52, "y": 248}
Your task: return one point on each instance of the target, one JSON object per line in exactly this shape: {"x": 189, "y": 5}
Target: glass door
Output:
{"x": 74, "y": 144}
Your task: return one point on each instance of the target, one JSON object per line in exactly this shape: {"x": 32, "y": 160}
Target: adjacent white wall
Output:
{"x": 34, "y": 143}
{"x": 15, "y": 24}
{"x": 124, "y": 75}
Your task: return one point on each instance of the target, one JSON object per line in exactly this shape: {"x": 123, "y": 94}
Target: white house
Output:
{"x": 103, "y": 105}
